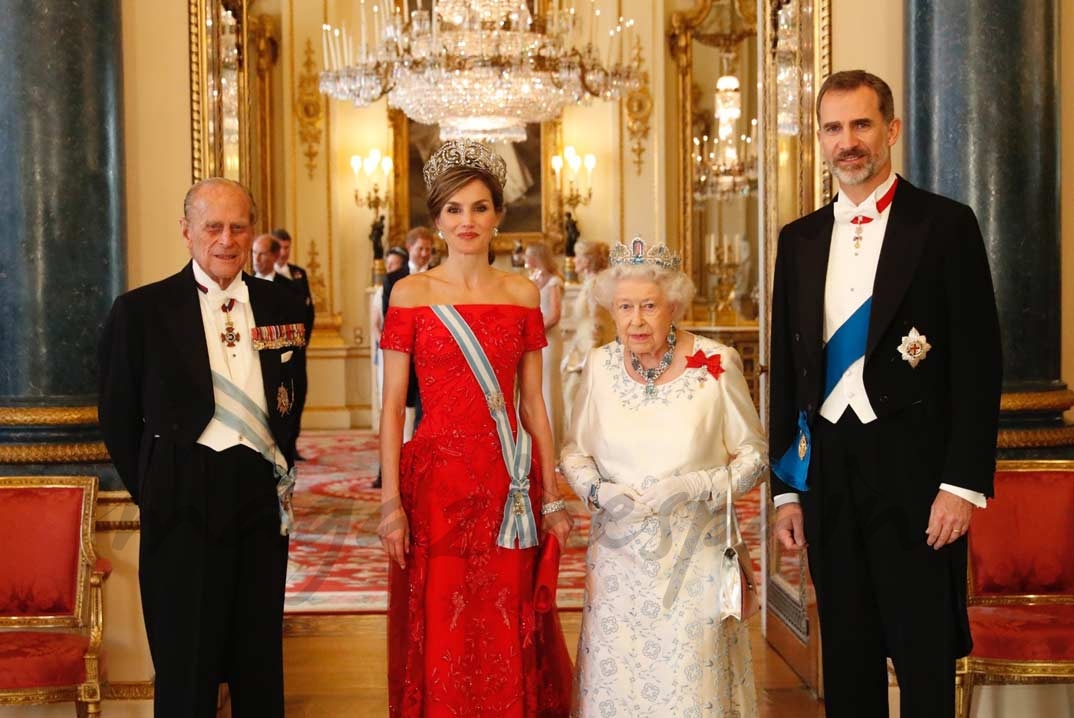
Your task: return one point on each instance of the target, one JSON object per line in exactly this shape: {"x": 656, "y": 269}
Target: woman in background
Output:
{"x": 593, "y": 325}
{"x": 542, "y": 268}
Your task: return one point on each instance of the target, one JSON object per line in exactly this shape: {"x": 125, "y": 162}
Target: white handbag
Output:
{"x": 740, "y": 595}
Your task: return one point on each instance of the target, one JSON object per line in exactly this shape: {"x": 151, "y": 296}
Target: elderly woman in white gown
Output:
{"x": 664, "y": 427}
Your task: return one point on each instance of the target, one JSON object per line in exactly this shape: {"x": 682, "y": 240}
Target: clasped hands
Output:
{"x": 621, "y": 501}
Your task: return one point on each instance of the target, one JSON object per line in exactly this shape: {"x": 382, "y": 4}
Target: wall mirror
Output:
{"x": 796, "y": 41}
{"x": 714, "y": 45}
{"x": 232, "y": 53}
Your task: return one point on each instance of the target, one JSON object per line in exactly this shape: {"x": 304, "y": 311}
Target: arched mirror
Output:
{"x": 232, "y": 52}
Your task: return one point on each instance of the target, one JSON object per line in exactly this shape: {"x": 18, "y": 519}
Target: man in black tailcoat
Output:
{"x": 885, "y": 385}
{"x": 199, "y": 382}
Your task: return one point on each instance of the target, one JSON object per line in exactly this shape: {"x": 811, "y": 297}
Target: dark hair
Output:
{"x": 195, "y": 189}
{"x": 281, "y": 234}
{"x": 848, "y": 80}
{"x": 452, "y": 180}
{"x": 399, "y": 252}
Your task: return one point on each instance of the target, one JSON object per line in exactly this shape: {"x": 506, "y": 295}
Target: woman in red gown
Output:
{"x": 461, "y": 623}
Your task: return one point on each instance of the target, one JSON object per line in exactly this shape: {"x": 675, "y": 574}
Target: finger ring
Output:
{"x": 957, "y": 531}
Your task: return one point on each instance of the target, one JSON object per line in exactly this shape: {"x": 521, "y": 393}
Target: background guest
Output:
{"x": 543, "y": 271}
{"x": 593, "y": 325}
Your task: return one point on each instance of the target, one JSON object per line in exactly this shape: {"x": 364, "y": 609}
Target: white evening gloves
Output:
{"x": 669, "y": 492}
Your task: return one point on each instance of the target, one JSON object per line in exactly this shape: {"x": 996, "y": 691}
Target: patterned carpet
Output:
{"x": 336, "y": 564}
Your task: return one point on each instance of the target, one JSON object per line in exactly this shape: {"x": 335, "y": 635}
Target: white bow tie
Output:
{"x": 237, "y": 290}
{"x": 845, "y": 212}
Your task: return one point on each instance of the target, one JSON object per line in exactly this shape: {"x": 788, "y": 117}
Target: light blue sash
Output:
{"x": 845, "y": 347}
{"x": 237, "y": 411}
{"x": 518, "y": 521}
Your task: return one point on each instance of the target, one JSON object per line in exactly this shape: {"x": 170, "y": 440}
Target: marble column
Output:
{"x": 62, "y": 256}
{"x": 982, "y": 126}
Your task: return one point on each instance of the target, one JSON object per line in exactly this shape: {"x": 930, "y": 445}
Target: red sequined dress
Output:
{"x": 461, "y": 625}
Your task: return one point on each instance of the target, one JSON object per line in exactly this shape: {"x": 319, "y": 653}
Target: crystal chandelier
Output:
{"x": 481, "y": 69}
{"x": 725, "y": 166}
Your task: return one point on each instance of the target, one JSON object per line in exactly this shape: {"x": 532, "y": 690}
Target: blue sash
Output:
{"x": 518, "y": 521}
{"x": 237, "y": 411}
{"x": 845, "y": 347}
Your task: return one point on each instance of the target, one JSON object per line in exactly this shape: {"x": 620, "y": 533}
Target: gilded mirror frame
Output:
{"x": 551, "y": 230}
{"x": 256, "y": 49}
{"x": 685, "y": 28}
{"x": 795, "y": 183}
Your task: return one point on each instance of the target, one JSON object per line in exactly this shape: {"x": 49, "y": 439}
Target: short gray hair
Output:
{"x": 676, "y": 286}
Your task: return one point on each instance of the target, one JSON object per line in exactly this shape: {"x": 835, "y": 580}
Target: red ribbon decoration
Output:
{"x": 711, "y": 363}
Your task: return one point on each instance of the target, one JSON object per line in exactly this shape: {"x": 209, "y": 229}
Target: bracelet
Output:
{"x": 594, "y": 493}
{"x": 553, "y": 506}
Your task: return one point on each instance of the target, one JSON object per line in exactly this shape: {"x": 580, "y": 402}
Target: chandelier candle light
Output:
{"x": 366, "y": 183}
{"x": 481, "y": 69}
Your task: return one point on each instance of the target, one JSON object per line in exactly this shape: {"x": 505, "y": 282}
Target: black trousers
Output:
{"x": 212, "y": 574}
{"x": 881, "y": 590}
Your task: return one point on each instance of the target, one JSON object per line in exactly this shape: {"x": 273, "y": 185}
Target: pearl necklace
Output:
{"x": 651, "y": 375}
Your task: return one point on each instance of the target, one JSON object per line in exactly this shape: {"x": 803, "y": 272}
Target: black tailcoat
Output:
{"x": 209, "y": 521}
{"x": 936, "y": 423}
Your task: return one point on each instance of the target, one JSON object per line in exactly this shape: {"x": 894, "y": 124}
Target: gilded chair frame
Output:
{"x": 88, "y": 613}
{"x": 971, "y": 672}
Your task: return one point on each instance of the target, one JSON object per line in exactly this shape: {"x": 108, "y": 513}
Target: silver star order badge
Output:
{"x": 914, "y": 347}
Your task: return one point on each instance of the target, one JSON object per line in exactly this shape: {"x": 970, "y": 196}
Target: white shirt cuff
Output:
{"x": 781, "y": 499}
{"x": 974, "y": 497}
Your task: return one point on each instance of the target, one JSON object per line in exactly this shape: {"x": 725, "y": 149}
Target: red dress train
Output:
{"x": 462, "y": 633}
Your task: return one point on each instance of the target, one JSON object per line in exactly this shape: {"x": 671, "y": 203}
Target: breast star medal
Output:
{"x": 229, "y": 336}
{"x": 283, "y": 400}
{"x": 914, "y": 347}
{"x": 803, "y": 447}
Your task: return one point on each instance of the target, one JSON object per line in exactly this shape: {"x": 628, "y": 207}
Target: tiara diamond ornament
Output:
{"x": 638, "y": 253}
{"x": 464, "y": 153}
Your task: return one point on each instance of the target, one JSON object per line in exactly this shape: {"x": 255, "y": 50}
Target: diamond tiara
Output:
{"x": 637, "y": 253}
{"x": 464, "y": 153}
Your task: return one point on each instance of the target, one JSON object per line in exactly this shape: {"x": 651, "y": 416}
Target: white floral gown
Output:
{"x": 652, "y": 643}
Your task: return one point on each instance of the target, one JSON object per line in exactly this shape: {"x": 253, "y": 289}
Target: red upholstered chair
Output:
{"x": 50, "y": 593}
{"x": 1021, "y": 581}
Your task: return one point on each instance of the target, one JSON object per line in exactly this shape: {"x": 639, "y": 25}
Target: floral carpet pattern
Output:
{"x": 336, "y": 564}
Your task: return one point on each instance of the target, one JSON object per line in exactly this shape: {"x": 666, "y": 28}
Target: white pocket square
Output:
{"x": 286, "y": 356}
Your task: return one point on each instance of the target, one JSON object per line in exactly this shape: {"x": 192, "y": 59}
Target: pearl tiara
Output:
{"x": 464, "y": 153}
{"x": 638, "y": 254}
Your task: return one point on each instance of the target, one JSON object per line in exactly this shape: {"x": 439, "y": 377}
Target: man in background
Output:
{"x": 301, "y": 285}
{"x": 419, "y": 245}
{"x": 266, "y": 252}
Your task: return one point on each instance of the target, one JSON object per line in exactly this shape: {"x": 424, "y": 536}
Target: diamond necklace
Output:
{"x": 651, "y": 375}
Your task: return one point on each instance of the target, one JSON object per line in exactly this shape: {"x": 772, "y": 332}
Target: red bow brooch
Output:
{"x": 711, "y": 363}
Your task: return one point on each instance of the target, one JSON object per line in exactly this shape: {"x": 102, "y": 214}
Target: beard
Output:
{"x": 869, "y": 168}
